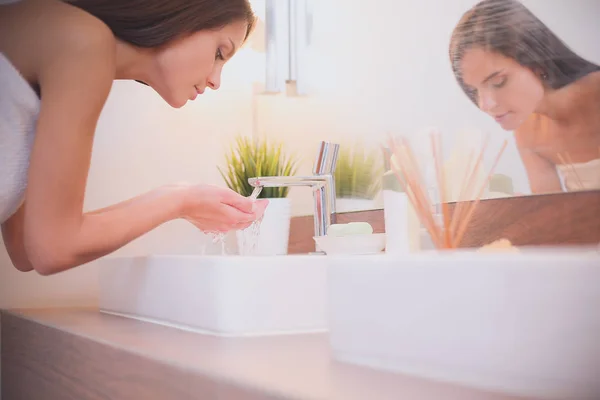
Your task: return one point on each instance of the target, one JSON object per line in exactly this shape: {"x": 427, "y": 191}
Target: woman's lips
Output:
{"x": 198, "y": 92}
{"x": 500, "y": 118}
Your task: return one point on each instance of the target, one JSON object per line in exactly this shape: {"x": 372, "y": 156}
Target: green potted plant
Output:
{"x": 357, "y": 177}
{"x": 251, "y": 157}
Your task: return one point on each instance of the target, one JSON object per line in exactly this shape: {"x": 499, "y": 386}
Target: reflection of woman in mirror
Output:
{"x": 517, "y": 71}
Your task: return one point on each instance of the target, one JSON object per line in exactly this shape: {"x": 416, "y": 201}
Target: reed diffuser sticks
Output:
{"x": 447, "y": 233}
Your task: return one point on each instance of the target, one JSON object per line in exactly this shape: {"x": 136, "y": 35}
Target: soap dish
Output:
{"x": 351, "y": 244}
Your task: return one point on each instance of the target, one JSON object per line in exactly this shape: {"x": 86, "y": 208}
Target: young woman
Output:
{"x": 516, "y": 70}
{"x": 58, "y": 60}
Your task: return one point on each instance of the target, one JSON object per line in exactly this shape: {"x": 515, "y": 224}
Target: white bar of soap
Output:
{"x": 351, "y": 228}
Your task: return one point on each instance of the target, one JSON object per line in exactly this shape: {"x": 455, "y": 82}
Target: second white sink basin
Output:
{"x": 526, "y": 323}
{"x": 221, "y": 295}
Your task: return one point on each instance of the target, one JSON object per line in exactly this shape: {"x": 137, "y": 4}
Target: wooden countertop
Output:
{"x": 570, "y": 218}
{"x": 83, "y": 354}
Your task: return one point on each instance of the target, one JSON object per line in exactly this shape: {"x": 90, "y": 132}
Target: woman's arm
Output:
{"x": 140, "y": 214}
{"x": 12, "y": 234}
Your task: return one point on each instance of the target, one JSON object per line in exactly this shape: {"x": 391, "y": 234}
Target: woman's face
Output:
{"x": 187, "y": 66}
{"x": 502, "y": 87}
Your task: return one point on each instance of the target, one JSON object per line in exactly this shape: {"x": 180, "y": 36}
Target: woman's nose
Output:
{"x": 214, "y": 80}
{"x": 487, "y": 102}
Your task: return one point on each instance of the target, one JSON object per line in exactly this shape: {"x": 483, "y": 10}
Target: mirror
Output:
{"x": 522, "y": 71}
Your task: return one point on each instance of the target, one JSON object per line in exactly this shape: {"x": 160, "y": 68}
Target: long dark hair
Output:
{"x": 154, "y": 23}
{"x": 507, "y": 27}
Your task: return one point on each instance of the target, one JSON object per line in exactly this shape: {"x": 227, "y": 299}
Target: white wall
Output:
{"x": 377, "y": 66}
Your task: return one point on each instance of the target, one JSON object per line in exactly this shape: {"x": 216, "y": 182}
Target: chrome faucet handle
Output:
{"x": 326, "y": 160}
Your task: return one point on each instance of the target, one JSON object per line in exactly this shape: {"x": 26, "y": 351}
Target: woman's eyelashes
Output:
{"x": 500, "y": 83}
{"x": 219, "y": 55}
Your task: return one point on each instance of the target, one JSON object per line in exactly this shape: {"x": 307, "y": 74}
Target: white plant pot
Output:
{"x": 350, "y": 204}
{"x": 274, "y": 233}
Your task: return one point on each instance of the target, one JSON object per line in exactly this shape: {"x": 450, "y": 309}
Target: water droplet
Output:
{"x": 216, "y": 238}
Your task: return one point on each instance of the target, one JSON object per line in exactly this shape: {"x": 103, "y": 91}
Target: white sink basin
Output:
{"x": 527, "y": 323}
{"x": 220, "y": 295}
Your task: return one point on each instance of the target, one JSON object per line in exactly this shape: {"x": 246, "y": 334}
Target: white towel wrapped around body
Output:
{"x": 19, "y": 110}
{"x": 581, "y": 176}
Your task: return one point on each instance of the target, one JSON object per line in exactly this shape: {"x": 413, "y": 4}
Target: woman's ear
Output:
{"x": 541, "y": 73}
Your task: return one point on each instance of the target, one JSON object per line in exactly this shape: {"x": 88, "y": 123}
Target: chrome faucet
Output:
{"x": 322, "y": 182}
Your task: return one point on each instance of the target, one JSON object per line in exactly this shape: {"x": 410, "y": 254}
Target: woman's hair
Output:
{"x": 507, "y": 27}
{"x": 154, "y": 23}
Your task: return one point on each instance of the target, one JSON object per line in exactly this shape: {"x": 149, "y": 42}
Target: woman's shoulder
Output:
{"x": 38, "y": 32}
{"x": 73, "y": 26}
{"x": 584, "y": 94}
{"x": 63, "y": 18}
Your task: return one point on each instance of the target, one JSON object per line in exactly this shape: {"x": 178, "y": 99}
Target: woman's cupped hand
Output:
{"x": 217, "y": 209}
